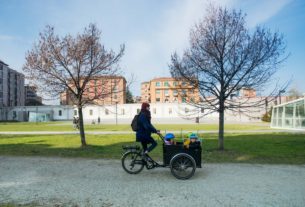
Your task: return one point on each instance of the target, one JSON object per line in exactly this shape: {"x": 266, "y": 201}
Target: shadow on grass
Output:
{"x": 246, "y": 148}
{"x": 36, "y": 148}
{"x": 277, "y": 148}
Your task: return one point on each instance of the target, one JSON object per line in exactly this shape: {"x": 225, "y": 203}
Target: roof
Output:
{"x": 163, "y": 79}
{"x": 3, "y": 63}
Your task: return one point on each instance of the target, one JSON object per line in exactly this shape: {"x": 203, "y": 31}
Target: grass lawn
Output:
{"x": 275, "y": 148}
{"x": 67, "y": 126}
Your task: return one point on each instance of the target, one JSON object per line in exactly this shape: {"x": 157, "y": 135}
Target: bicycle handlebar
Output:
{"x": 161, "y": 136}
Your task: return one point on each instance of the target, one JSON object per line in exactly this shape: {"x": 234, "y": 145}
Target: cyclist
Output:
{"x": 145, "y": 128}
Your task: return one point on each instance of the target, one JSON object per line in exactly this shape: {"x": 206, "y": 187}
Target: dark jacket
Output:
{"x": 145, "y": 128}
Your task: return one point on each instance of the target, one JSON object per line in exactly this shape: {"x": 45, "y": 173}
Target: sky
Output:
{"x": 151, "y": 30}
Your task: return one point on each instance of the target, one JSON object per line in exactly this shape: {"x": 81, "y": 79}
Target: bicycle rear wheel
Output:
{"x": 132, "y": 162}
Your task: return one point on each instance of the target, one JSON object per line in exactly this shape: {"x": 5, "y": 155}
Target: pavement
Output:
{"x": 97, "y": 182}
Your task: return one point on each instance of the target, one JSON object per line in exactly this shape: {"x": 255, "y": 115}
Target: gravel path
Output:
{"x": 89, "y": 182}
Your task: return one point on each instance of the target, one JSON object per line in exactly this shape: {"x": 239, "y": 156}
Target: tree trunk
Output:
{"x": 81, "y": 127}
{"x": 221, "y": 127}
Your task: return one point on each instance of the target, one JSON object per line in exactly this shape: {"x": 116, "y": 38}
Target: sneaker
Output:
{"x": 146, "y": 157}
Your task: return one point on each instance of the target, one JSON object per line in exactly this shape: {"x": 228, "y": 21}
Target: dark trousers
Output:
{"x": 150, "y": 141}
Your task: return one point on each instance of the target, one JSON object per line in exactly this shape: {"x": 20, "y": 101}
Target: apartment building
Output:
{"x": 31, "y": 97}
{"x": 105, "y": 90}
{"x": 168, "y": 90}
{"x": 11, "y": 87}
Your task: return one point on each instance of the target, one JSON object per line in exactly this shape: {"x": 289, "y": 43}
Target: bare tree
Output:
{"x": 69, "y": 64}
{"x": 225, "y": 57}
{"x": 293, "y": 93}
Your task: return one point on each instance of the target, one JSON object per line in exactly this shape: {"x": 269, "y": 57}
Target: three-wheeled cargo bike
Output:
{"x": 181, "y": 160}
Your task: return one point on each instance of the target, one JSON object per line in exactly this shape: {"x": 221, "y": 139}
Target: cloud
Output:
{"x": 260, "y": 11}
{"x": 6, "y": 37}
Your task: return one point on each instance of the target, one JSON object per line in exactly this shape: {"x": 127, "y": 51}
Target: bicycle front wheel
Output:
{"x": 132, "y": 162}
{"x": 183, "y": 166}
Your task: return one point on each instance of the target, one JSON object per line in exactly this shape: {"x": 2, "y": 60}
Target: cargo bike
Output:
{"x": 181, "y": 161}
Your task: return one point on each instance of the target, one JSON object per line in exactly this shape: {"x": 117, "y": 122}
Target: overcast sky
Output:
{"x": 150, "y": 29}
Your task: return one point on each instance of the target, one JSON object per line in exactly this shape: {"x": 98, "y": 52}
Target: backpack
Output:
{"x": 134, "y": 123}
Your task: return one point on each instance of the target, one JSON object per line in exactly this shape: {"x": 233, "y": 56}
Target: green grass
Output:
{"x": 275, "y": 148}
{"x": 67, "y": 126}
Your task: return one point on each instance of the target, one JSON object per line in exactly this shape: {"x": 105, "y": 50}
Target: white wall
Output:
{"x": 125, "y": 112}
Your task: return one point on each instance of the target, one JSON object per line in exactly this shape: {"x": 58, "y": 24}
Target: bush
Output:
{"x": 266, "y": 117}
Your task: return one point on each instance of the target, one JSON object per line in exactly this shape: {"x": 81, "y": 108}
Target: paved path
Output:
{"x": 91, "y": 182}
{"x": 131, "y": 132}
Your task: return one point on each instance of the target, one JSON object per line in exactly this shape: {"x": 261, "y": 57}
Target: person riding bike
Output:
{"x": 145, "y": 128}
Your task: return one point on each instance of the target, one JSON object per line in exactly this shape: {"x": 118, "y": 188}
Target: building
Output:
{"x": 168, "y": 90}
{"x": 11, "y": 90}
{"x": 244, "y": 93}
{"x": 289, "y": 115}
{"x": 31, "y": 97}
{"x": 145, "y": 92}
{"x": 174, "y": 113}
{"x": 247, "y": 92}
{"x": 105, "y": 90}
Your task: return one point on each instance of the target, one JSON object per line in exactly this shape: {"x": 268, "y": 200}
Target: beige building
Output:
{"x": 247, "y": 92}
{"x": 168, "y": 90}
{"x": 105, "y": 90}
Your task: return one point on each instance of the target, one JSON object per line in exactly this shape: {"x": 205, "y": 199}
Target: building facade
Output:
{"x": 168, "y": 90}
{"x": 11, "y": 90}
{"x": 31, "y": 97}
{"x": 174, "y": 113}
{"x": 105, "y": 90}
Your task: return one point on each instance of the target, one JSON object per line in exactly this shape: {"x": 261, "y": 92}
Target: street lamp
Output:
{"x": 280, "y": 92}
{"x": 116, "y": 113}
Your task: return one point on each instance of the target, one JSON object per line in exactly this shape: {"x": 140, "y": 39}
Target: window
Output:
{"x": 183, "y": 100}
{"x": 158, "y": 84}
{"x": 59, "y": 113}
{"x": 157, "y": 99}
{"x": 166, "y": 83}
{"x": 106, "y": 111}
{"x": 175, "y": 92}
{"x": 91, "y": 112}
{"x": 75, "y": 112}
{"x": 175, "y": 83}
{"x": 95, "y": 87}
{"x": 183, "y": 83}
{"x": 166, "y": 92}
{"x": 158, "y": 91}
{"x": 115, "y": 97}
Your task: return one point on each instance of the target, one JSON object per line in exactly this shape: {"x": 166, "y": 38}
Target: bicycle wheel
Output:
{"x": 132, "y": 162}
{"x": 182, "y": 166}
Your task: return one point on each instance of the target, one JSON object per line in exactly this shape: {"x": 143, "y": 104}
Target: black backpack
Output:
{"x": 134, "y": 123}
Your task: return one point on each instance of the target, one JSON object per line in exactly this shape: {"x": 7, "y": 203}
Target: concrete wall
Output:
{"x": 123, "y": 113}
